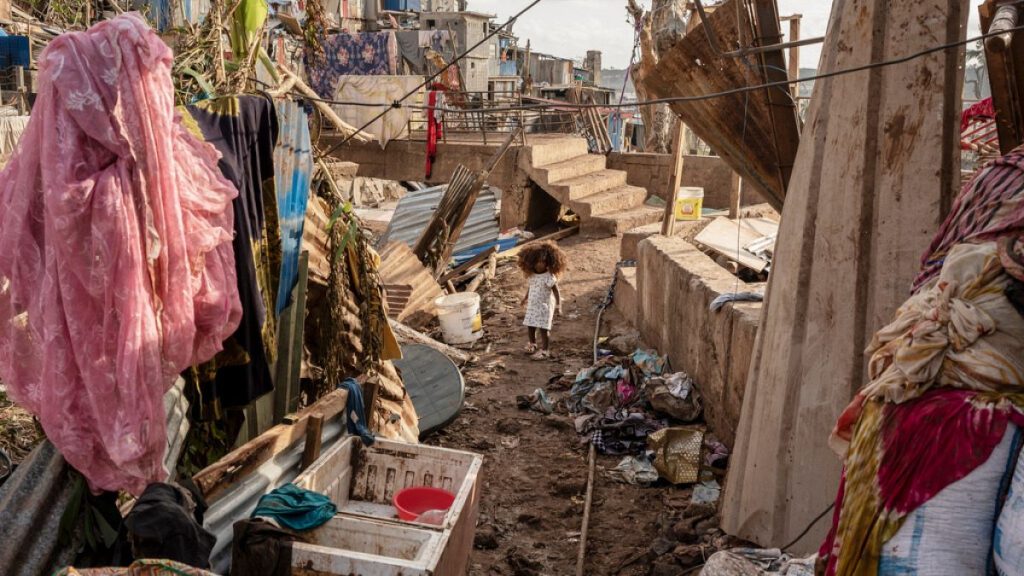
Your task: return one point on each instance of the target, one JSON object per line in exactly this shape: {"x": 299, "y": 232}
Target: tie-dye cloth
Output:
{"x": 116, "y": 267}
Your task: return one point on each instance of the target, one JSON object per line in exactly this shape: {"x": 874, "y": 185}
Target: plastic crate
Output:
{"x": 366, "y": 538}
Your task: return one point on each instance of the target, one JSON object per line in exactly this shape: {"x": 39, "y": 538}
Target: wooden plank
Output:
{"x": 782, "y": 108}
{"x": 668, "y": 221}
{"x": 870, "y": 187}
{"x": 469, "y": 264}
{"x": 794, "y": 53}
{"x": 735, "y": 196}
{"x": 729, "y": 237}
{"x": 553, "y": 237}
{"x": 1003, "y": 64}
{"x": 747, "y": 146}
{"x": 213, "y": 479}
{"x": 291, "y": 332}
{"x": 407, "y": 334}
{"x": 314, "y": 438}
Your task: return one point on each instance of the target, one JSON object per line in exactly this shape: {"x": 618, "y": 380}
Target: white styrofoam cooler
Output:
{"x": 366, "y": 538}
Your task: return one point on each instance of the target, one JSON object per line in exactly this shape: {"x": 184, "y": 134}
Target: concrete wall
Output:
{"x": 676, "y": 282}
{"x": 654, "y": 172}
{"x": 405, "y": 160}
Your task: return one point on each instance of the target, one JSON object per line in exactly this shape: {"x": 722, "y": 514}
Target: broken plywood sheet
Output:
{"x": 409, "y": 281}
{"x": 730, "y": 238}
{"x": 873, "y": 180}
{"x": 739, "y": 126}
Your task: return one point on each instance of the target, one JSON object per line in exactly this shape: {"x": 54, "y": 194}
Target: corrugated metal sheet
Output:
{"x": 238, "y": 502}
{"x": 415, "y": 210}
{"x": 34, "y": 499}
{"x": 293, "y": 171}
{"x": 32, "y": 502}
{"x": 399, "y": 266}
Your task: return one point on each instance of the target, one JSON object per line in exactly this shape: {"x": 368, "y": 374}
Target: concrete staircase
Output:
{"x": 580, "y": 181}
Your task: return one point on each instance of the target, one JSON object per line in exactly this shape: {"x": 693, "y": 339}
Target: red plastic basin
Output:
{"x": 411, "y": 502}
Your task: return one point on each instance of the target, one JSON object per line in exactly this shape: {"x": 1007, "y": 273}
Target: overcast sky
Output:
{"x": 569, "y": 28}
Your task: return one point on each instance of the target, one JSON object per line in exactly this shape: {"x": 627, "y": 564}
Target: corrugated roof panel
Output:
{"x": 239, "y": 500}
{"x": 415, "y": 210}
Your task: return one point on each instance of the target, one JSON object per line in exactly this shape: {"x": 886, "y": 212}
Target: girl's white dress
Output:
{"x": 540, "y": 301}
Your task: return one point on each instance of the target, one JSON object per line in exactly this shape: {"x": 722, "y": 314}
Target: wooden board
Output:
{"x": 728, "y": 237}
{"x": 213, "y": 479}
{"x": 741, "y": 127}
{"x": 874, "y": 178}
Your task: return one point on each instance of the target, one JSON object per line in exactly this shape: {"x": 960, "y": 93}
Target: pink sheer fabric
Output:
{"x": 116, "y": 267}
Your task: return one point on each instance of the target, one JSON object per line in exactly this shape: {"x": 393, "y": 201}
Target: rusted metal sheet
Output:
{"x": 32, "y": 502}
{"x": 400, "y": 267}
{"x": 873, "y": 180}
{"x": 756, "y": 133}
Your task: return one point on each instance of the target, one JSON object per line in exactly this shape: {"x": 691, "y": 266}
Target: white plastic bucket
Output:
{"x": 460, "y": 317}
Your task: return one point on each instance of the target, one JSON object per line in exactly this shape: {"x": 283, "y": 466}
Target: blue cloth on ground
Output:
{"x": 295, "y": 508}
{"x": 355, "y": 413}
{"x": 724, "y": 299}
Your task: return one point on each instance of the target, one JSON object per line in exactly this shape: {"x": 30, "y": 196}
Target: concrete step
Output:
{"x": 571, "y": 168}
{"x": 619, "y": 222}
{"x": 614, "y": 200}
{"x": 587, "y": 185}
{"x": 626, "y": 295}
{"x": 547, "y": 152}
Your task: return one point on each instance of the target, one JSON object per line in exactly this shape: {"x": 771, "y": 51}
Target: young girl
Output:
{"x": 542, "y": 264}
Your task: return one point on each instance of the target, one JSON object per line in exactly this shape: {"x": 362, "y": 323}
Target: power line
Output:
{"x": 414, "y": 91}
{"x": 742, "y": 90}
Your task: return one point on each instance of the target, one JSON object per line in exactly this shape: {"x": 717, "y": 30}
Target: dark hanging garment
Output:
{"x": 164, "y": 523}
{"x": 244, "y": 129}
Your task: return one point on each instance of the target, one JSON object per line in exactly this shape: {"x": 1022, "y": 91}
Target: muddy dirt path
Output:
{"x": 535, "y": 468}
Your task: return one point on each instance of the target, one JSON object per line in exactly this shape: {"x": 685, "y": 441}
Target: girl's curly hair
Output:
{"x": 546, "y": 252}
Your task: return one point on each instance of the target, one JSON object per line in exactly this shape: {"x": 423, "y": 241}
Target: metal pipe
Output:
{"x": 1003, "y": 23}
{"x": 771, "y": 47}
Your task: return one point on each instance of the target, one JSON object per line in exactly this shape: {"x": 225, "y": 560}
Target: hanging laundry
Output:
{"x": 358, "y": 54}
{"x": 163, "y": 524}
{"x": 411, "y": 51}
{"x": 244, "y": 129}
{"x": 435, "y": 127}
{"x": 115, "y": 255}
{"x": 293, "y": 167}
{"x": 11, "y": 129}
{"x": 376, "y": 90}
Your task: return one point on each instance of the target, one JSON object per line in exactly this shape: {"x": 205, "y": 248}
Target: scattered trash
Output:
{"x": 718, "y": 303}
{"x": 707, "y": 492}
{"x": 675, "y": 396}
{"x": 510, "y": 442}
{"x": 678, "y": 453}
{"x": 635, "y": 471}
{"x": 716, "y": 455}
{"x": 649, "y": 362}
{"x": 755, "y": 562}
{"x": 538, "y": 401}
{"x": 432, "y": 517}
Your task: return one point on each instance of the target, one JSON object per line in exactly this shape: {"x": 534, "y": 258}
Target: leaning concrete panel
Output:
{"x": 874, "y": 176}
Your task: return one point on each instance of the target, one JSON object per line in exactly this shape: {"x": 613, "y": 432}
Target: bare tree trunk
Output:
{"x": 661, "y": 28}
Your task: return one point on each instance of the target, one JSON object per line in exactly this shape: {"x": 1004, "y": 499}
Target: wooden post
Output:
{"x": 19, "y": 78}
{"x": 314, "y": 433}
{"x": 735, "y": 196}
{"x": 668, "y": 223}
{"x": 794, "y": 53}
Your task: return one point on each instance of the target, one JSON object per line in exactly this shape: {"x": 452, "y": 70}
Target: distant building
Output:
{"x": 468, "y": 28}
